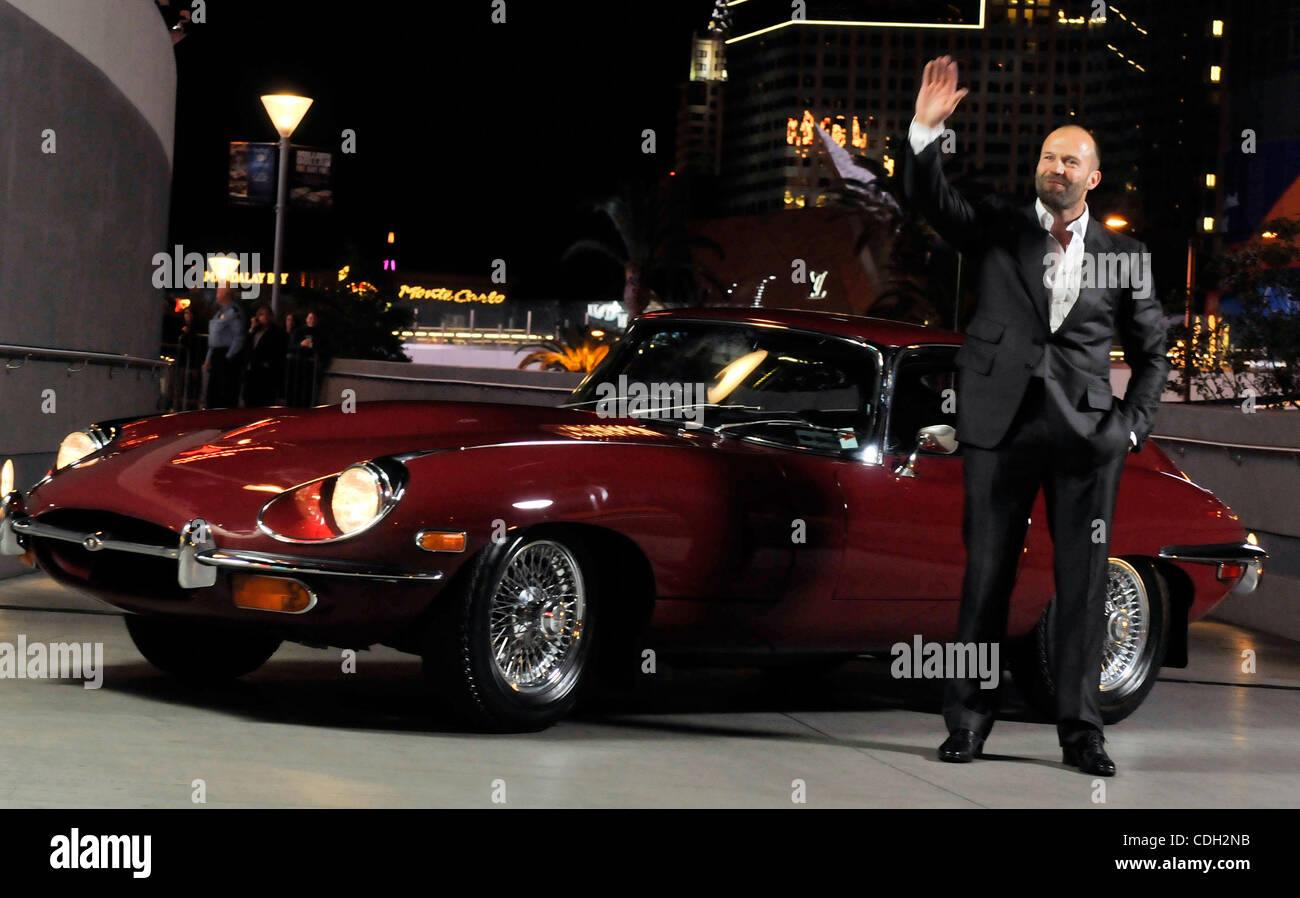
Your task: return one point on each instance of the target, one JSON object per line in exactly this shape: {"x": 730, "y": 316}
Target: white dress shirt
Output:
{"x": 1062, "y": 278}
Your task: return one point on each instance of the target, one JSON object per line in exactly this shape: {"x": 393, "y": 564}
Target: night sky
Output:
{"x": 474, "y": 140}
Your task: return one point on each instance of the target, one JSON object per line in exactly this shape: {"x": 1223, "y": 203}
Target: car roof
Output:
{"x": 880, "y": 331}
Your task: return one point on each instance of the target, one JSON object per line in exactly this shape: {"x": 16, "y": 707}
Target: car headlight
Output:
{"x": 335, "y": 507}
{"x": 357, "y": 499}
{"x": 78, "y": 444}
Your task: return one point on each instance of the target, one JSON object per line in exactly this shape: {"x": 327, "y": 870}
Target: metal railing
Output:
{"x": 461, "y": 334}
{"x": 46, "y": 353}
{"x": 1215, "y": 443}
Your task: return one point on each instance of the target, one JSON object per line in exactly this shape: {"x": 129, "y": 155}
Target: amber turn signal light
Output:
{"x": 1231, "y": 570}
{"x": 271, "y": 594}
{"x": 441, "y": 540}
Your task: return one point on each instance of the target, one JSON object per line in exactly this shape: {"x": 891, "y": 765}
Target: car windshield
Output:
{"x": 795, "y": 388}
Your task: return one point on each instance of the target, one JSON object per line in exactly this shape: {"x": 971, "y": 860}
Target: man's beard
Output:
{"x": 1069, "y": 195}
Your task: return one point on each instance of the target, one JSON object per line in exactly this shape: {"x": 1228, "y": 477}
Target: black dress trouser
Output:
{"x": 224, "y": 380}
{"x": 1001, "y": 485}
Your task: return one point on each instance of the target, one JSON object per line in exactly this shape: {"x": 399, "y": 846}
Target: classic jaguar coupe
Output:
{"x": 779, "y": 486}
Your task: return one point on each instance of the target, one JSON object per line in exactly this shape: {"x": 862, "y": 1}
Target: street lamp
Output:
{"x": 223, "y": 269}
{"x": 286, "y": 111}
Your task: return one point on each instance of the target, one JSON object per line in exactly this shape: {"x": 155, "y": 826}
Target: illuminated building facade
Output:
{"x": 699, "y": 114}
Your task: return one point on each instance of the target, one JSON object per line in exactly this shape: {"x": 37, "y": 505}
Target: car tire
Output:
{"x": 1137, "y": 621}
{"x": 199, "y": 651}
{"x": 510, "y": 645}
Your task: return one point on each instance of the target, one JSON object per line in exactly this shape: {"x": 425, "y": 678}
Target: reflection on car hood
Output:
{"x": 173, "y": 463}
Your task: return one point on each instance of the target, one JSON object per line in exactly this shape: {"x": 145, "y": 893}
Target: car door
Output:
{"x": 904, "y": 557}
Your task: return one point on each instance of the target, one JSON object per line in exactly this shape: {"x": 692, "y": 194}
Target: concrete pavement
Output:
{"x": 300, "y": 733}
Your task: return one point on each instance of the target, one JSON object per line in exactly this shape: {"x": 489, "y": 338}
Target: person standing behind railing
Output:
{"x": 306, "y": 360}
{"x": 265, "y": 373}
{"x": 227, "y": 336}
{"x": 190, "y": 351}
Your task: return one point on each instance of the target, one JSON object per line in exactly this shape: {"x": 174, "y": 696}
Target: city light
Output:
{"x": 803, "y": 131}
{"x": 286, "y": 111}
{"x": 1216, "y": 28}
{"x": 446, "y": 294}
{"x": 1215, "y": 73}
{"x": 1207, "y": 224}
{"x": 223, "y": 268}
{"x": 1210, "y": 180}
{"x": 977, "y": 26}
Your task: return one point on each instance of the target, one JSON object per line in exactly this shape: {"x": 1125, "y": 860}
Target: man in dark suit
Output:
{"x": 1035, "y": 407}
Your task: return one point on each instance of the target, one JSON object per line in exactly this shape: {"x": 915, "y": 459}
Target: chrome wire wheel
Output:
{"x": 1128, "y": 625}
{"x": 536, "y": 618}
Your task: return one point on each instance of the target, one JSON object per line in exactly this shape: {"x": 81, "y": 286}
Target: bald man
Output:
{"x": 1035, "y": 408}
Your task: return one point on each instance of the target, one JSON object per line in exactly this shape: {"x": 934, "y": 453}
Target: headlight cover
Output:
{"x": 336, "y": 507}
{"x": 79, "y": 444}
{"x": 358, "y": 497}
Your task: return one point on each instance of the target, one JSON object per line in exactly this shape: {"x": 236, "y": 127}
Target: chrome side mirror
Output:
{"x": 941, "y": 438}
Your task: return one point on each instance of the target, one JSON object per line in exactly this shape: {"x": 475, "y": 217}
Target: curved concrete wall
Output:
{"x": 95, "y": 81}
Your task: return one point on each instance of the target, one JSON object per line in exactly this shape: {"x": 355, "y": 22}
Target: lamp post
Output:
{"x": 286, "y": 111}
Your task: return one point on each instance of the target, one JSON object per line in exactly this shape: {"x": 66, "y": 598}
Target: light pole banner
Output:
{"x": 309, "y": 179}
{"x": 252, "y": 173}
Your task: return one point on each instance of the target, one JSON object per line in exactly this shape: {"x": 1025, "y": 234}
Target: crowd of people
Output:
{"x": 251, "y": 363}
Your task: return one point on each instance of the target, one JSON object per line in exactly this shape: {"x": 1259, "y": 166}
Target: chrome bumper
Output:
{"x": 1248, "y": 554}
{"x": 197, "y": 555}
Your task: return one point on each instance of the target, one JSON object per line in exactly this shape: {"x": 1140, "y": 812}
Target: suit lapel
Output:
{"x": 1032, "y": 247}
{"x": 1096, "y": 240}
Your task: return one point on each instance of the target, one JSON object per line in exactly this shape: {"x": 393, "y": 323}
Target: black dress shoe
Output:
{"x": 961, "y": 746}
{"x": 1088, "y": 755}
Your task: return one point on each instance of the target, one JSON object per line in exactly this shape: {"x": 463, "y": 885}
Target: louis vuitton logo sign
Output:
{"x": 1104, "y": 270}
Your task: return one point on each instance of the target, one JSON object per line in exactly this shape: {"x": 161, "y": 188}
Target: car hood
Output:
{"x": 174, "y": 467}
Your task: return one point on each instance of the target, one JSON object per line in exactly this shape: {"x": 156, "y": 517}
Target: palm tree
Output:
{"x": 572, "y": 351}
{"x": 653, "y": 248}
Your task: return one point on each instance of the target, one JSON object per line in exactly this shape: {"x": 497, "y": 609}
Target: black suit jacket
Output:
{"x": 1011, "y": 328}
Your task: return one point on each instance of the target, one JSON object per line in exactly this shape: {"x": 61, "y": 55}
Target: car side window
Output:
{"x": 924, "y": 393}
{"x": 786, "y": 387}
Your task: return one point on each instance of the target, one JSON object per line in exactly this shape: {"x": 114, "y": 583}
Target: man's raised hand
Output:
{"x": 938, "y": 96}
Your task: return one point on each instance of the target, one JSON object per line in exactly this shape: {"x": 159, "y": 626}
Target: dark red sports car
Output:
{"x": 780, "y": 485}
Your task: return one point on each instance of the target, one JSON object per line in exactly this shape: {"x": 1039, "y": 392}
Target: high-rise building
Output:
{"x": 699, "y": 115}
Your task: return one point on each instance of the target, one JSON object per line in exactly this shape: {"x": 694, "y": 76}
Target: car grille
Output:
{"x": 122, "y": 572}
